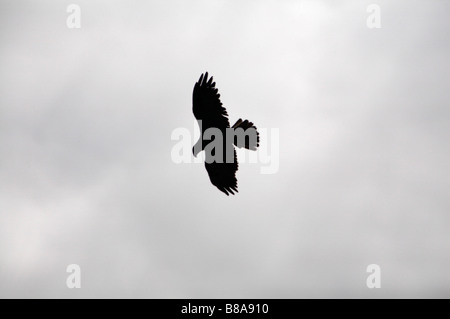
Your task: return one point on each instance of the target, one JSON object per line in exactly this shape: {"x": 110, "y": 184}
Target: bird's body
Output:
{"x": 220, "y": 155}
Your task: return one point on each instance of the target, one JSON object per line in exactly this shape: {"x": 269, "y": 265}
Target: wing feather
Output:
{"x": 207, "y": 106}
{"x": 223, "y": 175}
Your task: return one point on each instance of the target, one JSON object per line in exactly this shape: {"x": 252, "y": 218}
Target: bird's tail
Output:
{"x": 248, "y": 137}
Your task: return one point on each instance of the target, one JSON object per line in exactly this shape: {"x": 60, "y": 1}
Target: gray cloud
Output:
{"x": 86, "y": 176}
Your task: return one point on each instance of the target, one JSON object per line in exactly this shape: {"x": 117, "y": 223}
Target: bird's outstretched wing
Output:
{"x": 206, "y": 104}
{"x": 208, "y": 108}
{"x": 223, "y": 175}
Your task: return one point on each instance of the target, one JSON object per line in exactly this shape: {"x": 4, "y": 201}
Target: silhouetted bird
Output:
{"x": 210, "y": 114}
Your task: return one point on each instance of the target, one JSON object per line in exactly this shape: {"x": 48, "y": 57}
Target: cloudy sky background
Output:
{"x": 86, "y": 174}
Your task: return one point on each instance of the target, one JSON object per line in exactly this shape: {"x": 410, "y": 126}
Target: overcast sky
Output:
{"x": 87, "y": 177}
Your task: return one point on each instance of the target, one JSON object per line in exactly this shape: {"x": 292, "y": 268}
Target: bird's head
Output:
{"x": 195, "y": 151}
{"x": 197, "y": 148}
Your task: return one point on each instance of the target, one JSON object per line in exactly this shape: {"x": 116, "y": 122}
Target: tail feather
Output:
{"x": 250, "y": 138}
{"x": 238, "y": 122}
